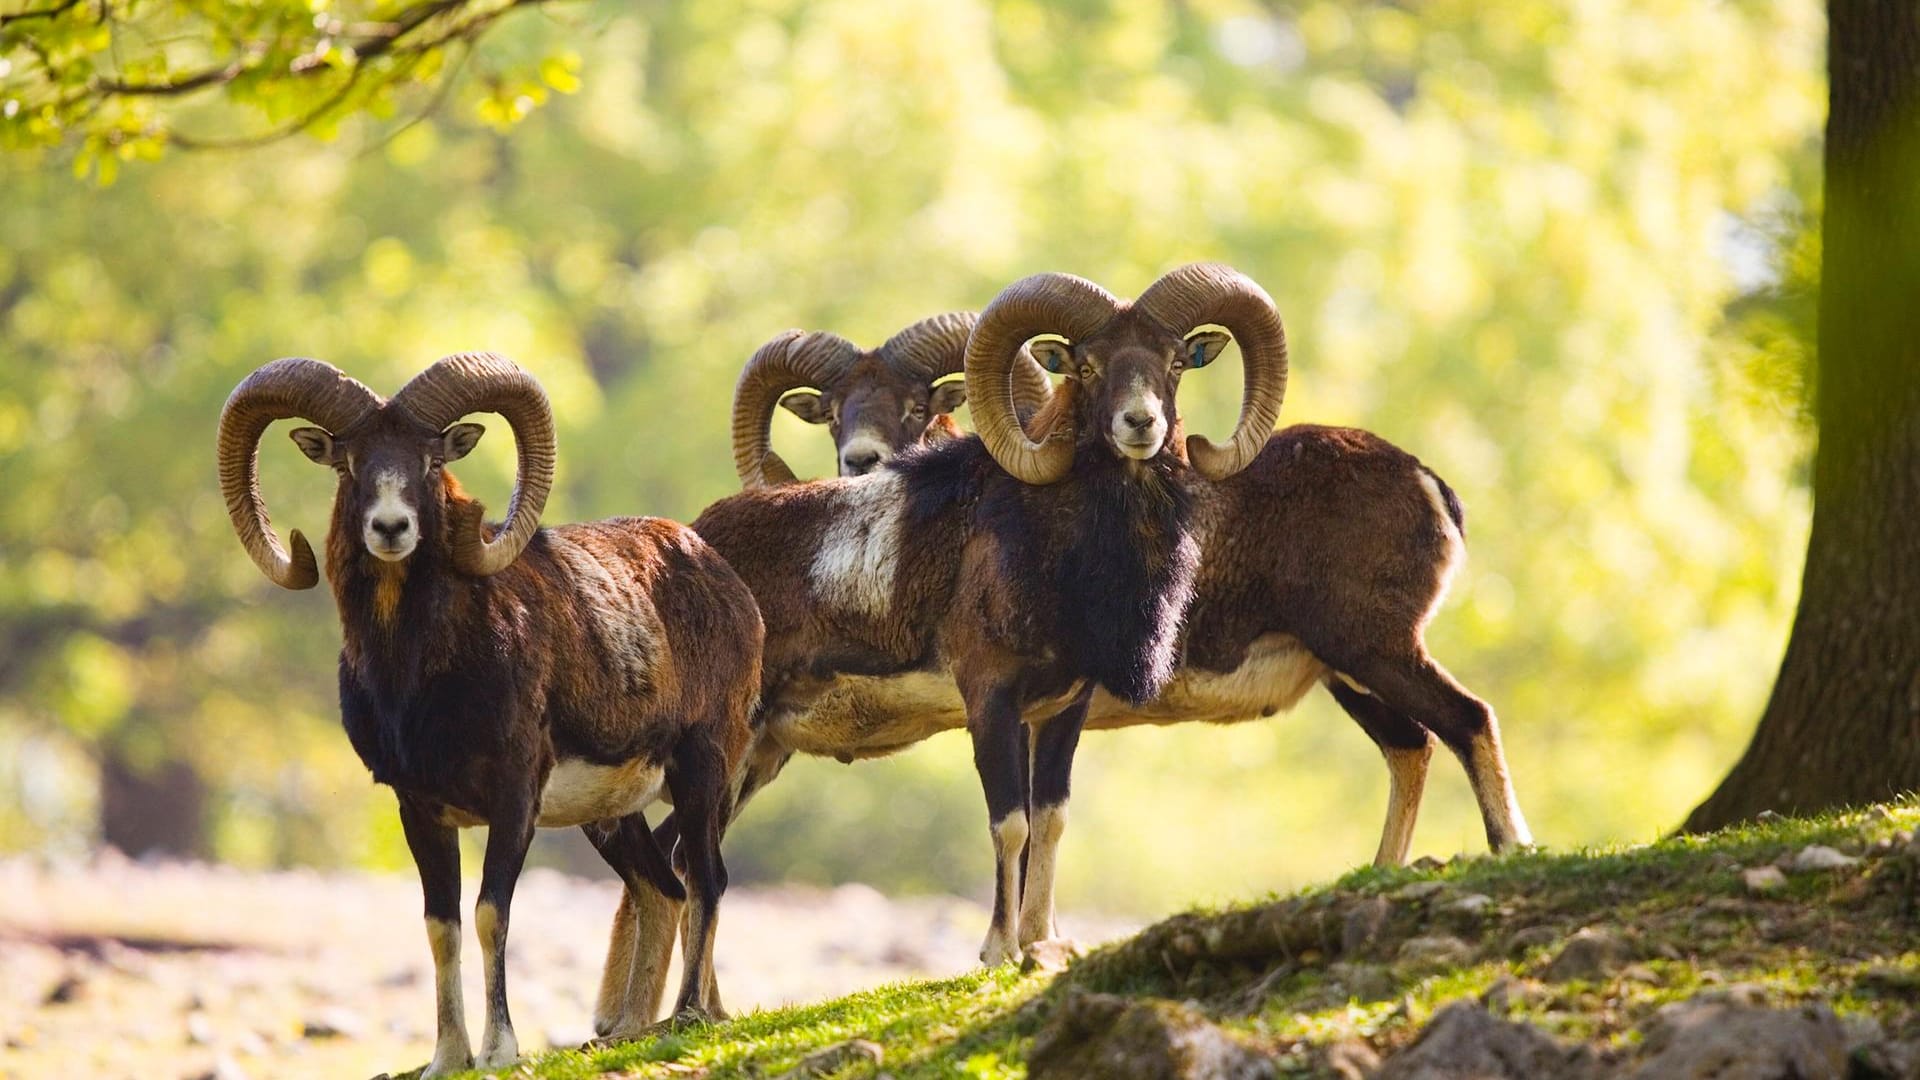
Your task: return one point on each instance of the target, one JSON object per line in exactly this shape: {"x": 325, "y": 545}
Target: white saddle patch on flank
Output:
{"x": 858, "y": 556}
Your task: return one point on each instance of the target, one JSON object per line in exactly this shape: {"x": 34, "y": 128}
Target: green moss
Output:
{"x": 1841, "y": 938}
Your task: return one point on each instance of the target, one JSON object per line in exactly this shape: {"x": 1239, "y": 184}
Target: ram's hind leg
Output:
{"x": 701, "y": 797}
{"x": 1408, "y": 748}
{"x": 643, "y": 928}
{"x": 1416, "y": 685}
{"x": 1051, "y": 769}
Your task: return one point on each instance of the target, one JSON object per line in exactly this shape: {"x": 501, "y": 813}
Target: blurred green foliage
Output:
{"x": 1562, "y": 252}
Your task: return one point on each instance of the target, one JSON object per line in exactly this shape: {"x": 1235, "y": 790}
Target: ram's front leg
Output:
{"x": 1000, "y": 757}
{"x": 1053, "y": 745}
{"x": 509, "y": 834}
{"x": 436, "y": 854}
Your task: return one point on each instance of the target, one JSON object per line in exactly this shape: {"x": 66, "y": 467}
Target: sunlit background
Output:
{"x": 1562, "y": 252}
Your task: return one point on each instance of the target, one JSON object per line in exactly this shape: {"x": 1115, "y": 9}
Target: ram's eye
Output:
{"x": 1086, "y": 371}
{"x": 1179, "y": 365}
{"x": 918, "y": 412}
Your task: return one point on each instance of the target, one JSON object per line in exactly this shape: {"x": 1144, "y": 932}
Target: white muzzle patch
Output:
{"x": 1139, "y": 423}
{"x": 392, "y": 528}
{"x": 863, "y": 453}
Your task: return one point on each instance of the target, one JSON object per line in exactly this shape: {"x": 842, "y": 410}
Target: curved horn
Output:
{"x": 937, "y": 346}
{"x": 1211, "y": 293}
{"x": 282, "y": 390}
{"x": 1061, "y": 304}
{"x": 483, "y": 382}
{"x": 790, "y": 360}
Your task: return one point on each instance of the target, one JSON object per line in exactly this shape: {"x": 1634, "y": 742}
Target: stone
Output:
{"x": 1591, "y": 954}
{"x": 1762, "y": 880}
{"x": 1726, "y": 1040}
{"x": 1529, "y": 938}
{"x": 1351, "y": 1059}
{"x": 832, "y": 1059}
{"x": 1816, "y": 857}
{"x": 1465, "y": 1042}
{"x": 1366, "y": 982}
{"x": 1472, "y": 905}
{"x": 1419, "y": 890}
{"x": 66, "y": 991}
{"x": 1051, "y": 956}
{"x": 1119, "y": 1038}
{"x": 1364, "y": 920}
{"x": 1433, "y": 952}
{"x": 200, "y": 1030}
{"x": 332, "y": 1023}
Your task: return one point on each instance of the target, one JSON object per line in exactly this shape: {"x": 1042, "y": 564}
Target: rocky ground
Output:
{"x": 120, "y": 969}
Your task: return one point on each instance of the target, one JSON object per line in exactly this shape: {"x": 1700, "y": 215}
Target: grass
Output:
{"x": 1290, "y": 975}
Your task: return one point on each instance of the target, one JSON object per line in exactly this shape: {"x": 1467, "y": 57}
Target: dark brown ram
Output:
{"x": 939, "y": 592}
{"x": 514, "y": 677}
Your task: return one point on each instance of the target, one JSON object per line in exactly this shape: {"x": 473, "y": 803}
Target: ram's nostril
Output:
{"x": 392, "y": 530}
{"x": 860, "y": 462}
{"x": 1139, "y": 421}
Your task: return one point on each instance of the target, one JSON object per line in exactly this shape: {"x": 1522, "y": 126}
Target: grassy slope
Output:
{"x": 1276, "y": 971}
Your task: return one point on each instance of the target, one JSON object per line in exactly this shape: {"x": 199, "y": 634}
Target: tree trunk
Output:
{"x": 159, "y": 810}
{"x": 1843, "y": 725}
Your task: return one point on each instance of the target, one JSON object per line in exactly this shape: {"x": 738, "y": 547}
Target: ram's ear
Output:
{"x": 1056, "y": 356}
{"x": 807, "y": 405}
{"x": 1204, "y": 346}
{"x": 459, "y": 440}
{"x": 315, "y": 443}
{"x": 947, "y": 397}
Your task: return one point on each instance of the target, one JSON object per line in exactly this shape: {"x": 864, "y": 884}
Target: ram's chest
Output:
{"x": 1275, "y": 674}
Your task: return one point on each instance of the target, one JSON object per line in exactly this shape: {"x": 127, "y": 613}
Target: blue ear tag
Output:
{"x": 1054, "y": 360}
{"x": 1197, "y": 356}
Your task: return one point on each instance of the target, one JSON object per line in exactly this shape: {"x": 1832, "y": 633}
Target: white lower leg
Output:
{"x": 1487, "y": 767}
{"x": 497, "y": 1045}
{"x": 1407, "y": 772}
{"x": 1036, "y": 896}
{"x": 1009, "y": 840}
{"x": 451, "y": 1051}
{"x": 616, "y": 979}
{"x": 656, "y": 927}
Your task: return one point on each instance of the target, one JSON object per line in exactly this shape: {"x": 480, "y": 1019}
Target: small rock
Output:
{"x": 1508, "y": 992}
{"x": 1640, "y": 973}
{"x": 1119, "y": 1038}
{"x": 200, "y": 1030}
{"x": 1472, "y": 904}
{"x": 1531, "y": 937}
{"x": 1426, "y": 864}
{"x": 832, "y": 1059}
{"x": 1728, "y": 1041}
{"x": 224, "y": 1068}
{"x": 66, "y": 991}
{"x": 1768, "y": 815}
{"x": 1367, "y": 982}
{"x": 1820, "y": 857}
{"x": 1878, "y": 812}
{"x": 1052, "y": 955}
{"x": 1465, "y": 1042}
{"x": 1418, "y": 890}
{"x": 332, "y": 1023}
{"x": 1434, "y": 952}
{"x": 1365, "y": 919}
{"x": 1351, "y": 1059}
{"x": 1591, "y": 955}
{"x": 1894, "y": 1059}
{"x": 1762, "y": 880}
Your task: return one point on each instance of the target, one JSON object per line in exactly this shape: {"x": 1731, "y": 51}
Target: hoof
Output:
{"x": 1050, "y": 955}
{"x": 996, "y": 952}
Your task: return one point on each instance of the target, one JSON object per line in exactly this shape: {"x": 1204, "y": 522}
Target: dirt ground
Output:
{"x": 112, "y": 968}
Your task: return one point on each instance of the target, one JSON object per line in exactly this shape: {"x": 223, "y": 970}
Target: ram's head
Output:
{"x": 875, "y": 403}
{"x": 1123, "y": 363}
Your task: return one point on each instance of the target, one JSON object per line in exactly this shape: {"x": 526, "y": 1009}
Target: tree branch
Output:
{"x": 44, "y": 13}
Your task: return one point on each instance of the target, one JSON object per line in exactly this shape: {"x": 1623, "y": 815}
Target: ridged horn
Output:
{"x": 937, "y": 347}
{"x": 1202, "y": 293}
{"x": 286, "y": 389}
{"x": 1061, "y": 304}
{"x": 789, "y": 361}
{"x": 484, "y": 382}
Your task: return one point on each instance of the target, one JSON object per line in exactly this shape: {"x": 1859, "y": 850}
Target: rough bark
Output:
{"x": 1843, "y": 724}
